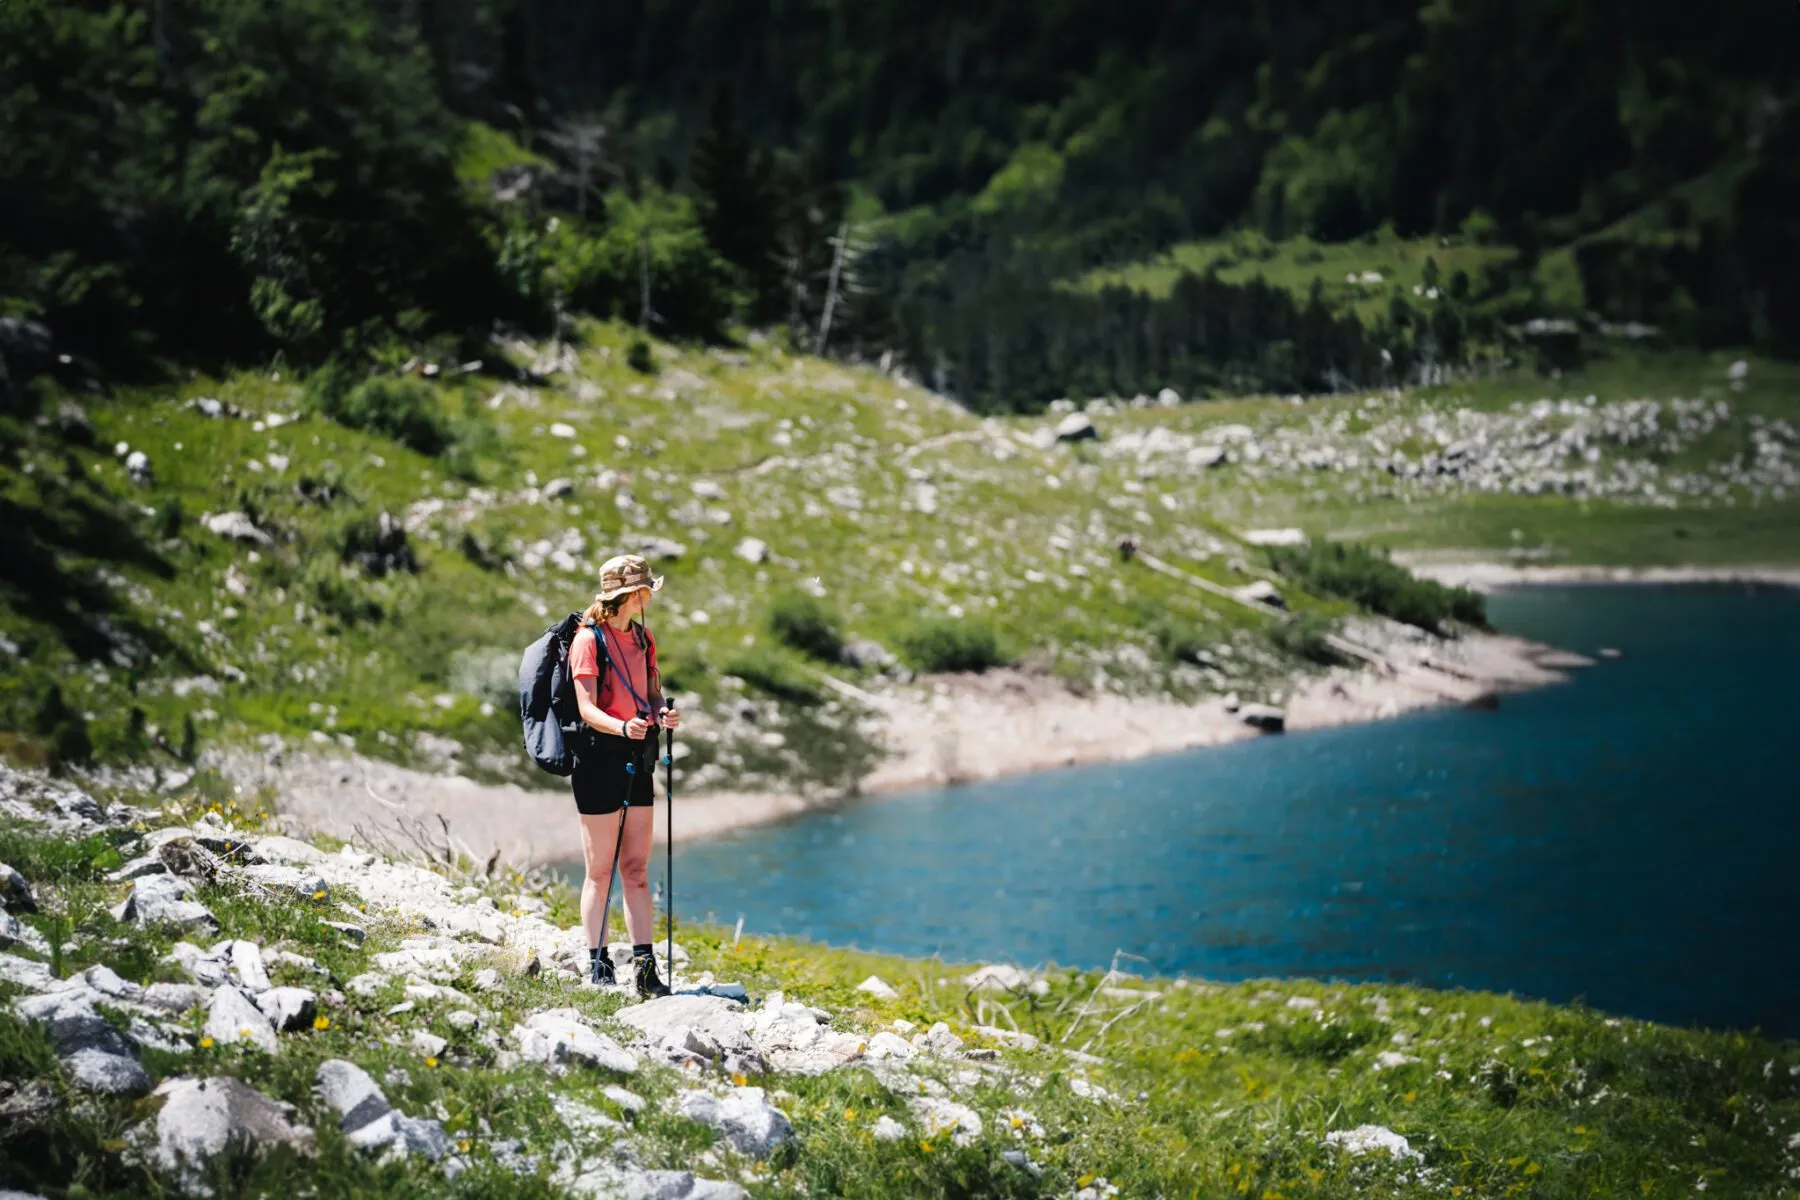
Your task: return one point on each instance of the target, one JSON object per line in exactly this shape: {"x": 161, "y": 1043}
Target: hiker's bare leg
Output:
{"x": 599, "y": 834}
{"x": 634, "y": 872}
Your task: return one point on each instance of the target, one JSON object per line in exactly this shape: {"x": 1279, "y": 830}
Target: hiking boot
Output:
{"x": 649, "y": 984}
{"x": 600, "y": 968}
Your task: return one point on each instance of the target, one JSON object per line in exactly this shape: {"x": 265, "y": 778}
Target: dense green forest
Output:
{"x": 215, "y": 181}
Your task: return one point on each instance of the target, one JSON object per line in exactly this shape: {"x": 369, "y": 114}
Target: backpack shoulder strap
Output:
{"x": 600, "y": 654}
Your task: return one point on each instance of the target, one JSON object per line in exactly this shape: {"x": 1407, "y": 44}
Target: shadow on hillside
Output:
{"x": 52, "y": 546}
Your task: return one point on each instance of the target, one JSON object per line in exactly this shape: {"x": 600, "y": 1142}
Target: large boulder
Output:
{"x": 237, "y": 527}
{"x": 201, "y": 1117}
{"x": 562, "y": 1035}
{"x": 15, "y": 892}
{"x": 367, "y": 1119}
{"x": 1265, "y": 717}
{"x": 27, "y": 973}
{"x": 743, "y": 1117}
{"x": 1076, "y": 427}
{"x": 289, "y": 1008}
{"x": 246, "y": 964}
{"x": 96, "y": 1056}
{"x": 704, "y": 1029}
{"x": 14, "y": 932}
{"x": 231, "y": 1019}
{"x": 1262, "y": 592}
{"x": 163, "y": 898}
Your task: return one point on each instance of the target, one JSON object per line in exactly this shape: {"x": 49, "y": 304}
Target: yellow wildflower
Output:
{"x": 926, "y": 1147}
{"x": 206, "y": 1043}
{"x": 430, "y": 1061}
{"x": 321, "y": 1022}
{"x": 739, "y": 1078}
{"x": 849, "y": 1114}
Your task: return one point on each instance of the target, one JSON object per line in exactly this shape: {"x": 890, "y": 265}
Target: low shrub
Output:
{"x": 1180, "y": 641}
{"x": 400, "y": 407}
{"x": 64, "y": 730}
{"x": 808, "y": 624}
{"x": 775, "y": 674}
{"x": 952, "y": 644}
{"x": 340, "y": 594}
{"x": 1369, "y": 578}
{"x": 639, "y": 357}
{"x": 1304, "y": 636}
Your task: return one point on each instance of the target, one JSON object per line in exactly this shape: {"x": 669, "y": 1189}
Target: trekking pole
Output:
{"x": 669, "y": 842}
{"x": 606, "y": 904}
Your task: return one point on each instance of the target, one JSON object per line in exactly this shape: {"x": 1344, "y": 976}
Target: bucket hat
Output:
{"x": 626, "y": 573}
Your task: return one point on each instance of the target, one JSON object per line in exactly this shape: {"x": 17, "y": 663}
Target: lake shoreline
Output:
{"x": 1487, "y": 575}
{"x": 939, "y": 731}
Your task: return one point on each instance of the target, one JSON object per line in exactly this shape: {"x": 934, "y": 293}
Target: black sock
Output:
{"x": 642, "y": 949}
{"x": 594, "y": 952}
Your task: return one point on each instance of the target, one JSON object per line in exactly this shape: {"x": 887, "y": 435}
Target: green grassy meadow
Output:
{"x": 892, "y": 506}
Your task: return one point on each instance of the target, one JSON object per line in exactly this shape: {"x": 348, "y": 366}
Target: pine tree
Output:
{"x": 737, "y": 204}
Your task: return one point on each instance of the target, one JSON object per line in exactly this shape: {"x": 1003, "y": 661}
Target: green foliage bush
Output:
{"x": 401, "y": 407}
{"x": 340, "y": 593}
{"x": 807, "y": 624}
{"x": 63, "y": 729}
{"x": 773, "y": 673}
{"x": 1178, "y": 640}
{"x": 639, "y": 358}
{"x": 1304, "y": 636}
{"x": 1369, "y": 578}
{"x": 564, "y": 264}
{"x": 952, "y": 644}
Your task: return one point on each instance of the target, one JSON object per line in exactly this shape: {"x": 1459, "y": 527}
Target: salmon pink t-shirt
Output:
{"x": 628, "y": 659}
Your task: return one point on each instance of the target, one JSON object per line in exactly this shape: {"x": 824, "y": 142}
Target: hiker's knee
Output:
{"x": 634, "y": 869}
{"x": 599, "y": 869}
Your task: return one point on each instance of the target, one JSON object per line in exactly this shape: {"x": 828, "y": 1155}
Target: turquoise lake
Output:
{"x": 1630, "y": 839}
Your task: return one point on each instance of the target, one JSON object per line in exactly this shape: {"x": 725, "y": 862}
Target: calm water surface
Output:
{"x": 1631, "y": 838}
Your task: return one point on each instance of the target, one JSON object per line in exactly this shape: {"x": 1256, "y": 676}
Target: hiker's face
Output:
{"x": 638, "y": 603}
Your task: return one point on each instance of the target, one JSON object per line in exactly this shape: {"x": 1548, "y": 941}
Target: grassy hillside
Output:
{"x": 901, "y": 517}
{"x": 1123, "y": 1085}
{"x": 1356, "y": 277}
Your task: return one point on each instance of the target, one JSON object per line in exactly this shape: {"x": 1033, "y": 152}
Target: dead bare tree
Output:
{"x": 842, "y": 281}
{"x": 582, "y": 141}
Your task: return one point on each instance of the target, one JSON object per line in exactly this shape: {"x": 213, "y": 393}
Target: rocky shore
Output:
{"x": 401, "y": 963}
{"x": 1484, "y": 575}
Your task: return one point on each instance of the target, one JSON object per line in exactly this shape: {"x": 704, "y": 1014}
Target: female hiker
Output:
{"x": 615, "y": 768}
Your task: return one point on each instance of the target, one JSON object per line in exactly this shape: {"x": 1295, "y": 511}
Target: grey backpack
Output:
{"x": 547, "y": 705}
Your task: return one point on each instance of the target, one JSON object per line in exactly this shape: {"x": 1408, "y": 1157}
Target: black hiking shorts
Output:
{"x": 601, "y": 781}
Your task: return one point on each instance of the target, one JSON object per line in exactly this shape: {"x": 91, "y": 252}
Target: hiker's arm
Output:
{"x": 587, "y": 699}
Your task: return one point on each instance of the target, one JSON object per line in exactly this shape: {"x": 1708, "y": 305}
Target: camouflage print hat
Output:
{"x": 626, "y": 573}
